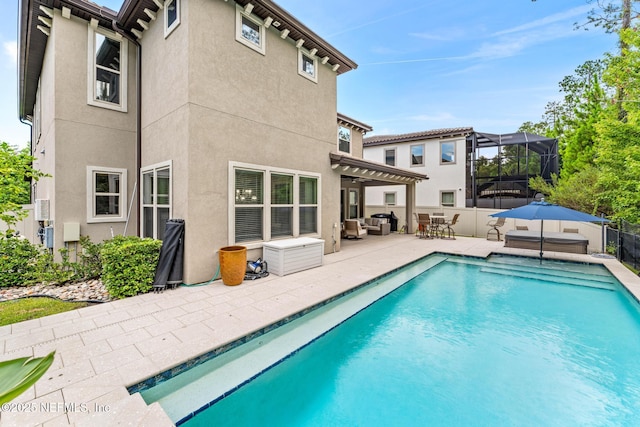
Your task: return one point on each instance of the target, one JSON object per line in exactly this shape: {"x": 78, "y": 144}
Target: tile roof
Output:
{"x": 416, "y": 136}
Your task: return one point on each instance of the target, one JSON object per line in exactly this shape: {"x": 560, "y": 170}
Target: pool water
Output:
{"x": 467, "y": 342}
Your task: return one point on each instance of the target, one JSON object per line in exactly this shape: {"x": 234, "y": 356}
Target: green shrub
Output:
{"x": 90, "y": 265}
{"x": 18, "y": 258}
{"x": 129, "y": 264}
{"x": 50, "y": 272}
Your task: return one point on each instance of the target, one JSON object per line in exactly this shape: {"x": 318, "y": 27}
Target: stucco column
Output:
{"x": 410, "y": 206}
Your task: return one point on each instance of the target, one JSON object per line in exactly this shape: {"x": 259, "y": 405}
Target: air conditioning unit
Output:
{"x": 42, "y": 210}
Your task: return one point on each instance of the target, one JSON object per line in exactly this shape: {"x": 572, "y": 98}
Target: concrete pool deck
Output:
{"x": 103, "y": 349}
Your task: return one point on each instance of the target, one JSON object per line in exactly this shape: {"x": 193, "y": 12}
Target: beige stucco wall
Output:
{"x": 75, "y": 134}
{"x": 209, "y": 100}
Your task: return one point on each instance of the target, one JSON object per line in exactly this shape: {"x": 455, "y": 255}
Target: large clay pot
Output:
{"x": 233, "y": 264}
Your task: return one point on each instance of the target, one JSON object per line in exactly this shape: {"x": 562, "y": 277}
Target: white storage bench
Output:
{"x": 292, "y": 255}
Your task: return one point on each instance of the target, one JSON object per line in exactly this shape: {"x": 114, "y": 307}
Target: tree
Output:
{"x": 16, "y": 173}
{"x": 618, "y": 141}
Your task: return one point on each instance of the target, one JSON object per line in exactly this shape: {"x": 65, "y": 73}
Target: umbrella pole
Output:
{"x": 541, "y": 238}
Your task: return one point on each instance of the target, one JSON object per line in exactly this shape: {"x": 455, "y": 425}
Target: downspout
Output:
{"x": 138, "y": 117}
{"x": 23, "y": 121}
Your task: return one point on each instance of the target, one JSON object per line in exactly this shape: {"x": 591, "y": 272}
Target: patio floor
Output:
{"x": 100, "y": 350}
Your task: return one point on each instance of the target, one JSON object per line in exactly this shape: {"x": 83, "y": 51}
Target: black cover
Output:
{"x": 170, "y": 263}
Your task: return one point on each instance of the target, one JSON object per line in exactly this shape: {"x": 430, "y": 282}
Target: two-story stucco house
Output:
{"x": 441, "y": 152}
{"x": 222, "y": 113}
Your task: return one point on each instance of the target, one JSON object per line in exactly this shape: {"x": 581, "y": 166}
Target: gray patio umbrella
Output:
{"x": 543, "y": 210}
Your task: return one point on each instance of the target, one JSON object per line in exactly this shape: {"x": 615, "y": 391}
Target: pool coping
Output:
{"x": 102, "y": 350}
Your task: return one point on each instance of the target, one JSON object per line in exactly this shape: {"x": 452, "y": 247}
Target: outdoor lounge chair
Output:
{"x": 495, "y": 226}
{"x": 353, "y": 229}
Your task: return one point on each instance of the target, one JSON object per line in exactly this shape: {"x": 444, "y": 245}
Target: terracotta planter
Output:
{"x": 233, "y": 264}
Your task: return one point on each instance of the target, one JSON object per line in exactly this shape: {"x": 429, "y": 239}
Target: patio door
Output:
{"x": 354, "y": 203}
{"x": 156, "y": 200}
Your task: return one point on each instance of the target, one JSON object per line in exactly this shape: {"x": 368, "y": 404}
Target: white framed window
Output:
{"x": 447, "y": 153}
{"x": 447, "y": 198}
{"x": 307, "y": 65}
{"x": 156, "y": 199}
{"x": 417, "y": 155}
{"x": 390, "y": 199}
{"x": 106, "y": 194}
{"x": 344, "y": 139}
{"x": 107, "y": 70}
{"x": 269, "y": 203}
{"x": 250, "y": 31}
{"x": 171, "y": 16}
{"x": 390, "y": 156}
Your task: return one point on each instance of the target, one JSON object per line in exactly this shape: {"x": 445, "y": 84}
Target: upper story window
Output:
{"x": 171, "y": 16}
{"x": 417, "y": 155}
{"x": 447, "y": 153}
{"x": 390, "y": 156}
{"x": 250, "y": 31}
{"x": 107, "y": 70}
{"x": 106, "y": 194}
{"x": 344, "y": 139}
{"x": 307, "y": 65}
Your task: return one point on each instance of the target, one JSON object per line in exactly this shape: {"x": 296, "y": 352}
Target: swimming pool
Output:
{"x": 457, "y": 341}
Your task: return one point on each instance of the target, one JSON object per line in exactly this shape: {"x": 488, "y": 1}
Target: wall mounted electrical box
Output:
{"x": 48, "y": 237}
{"x": 71, "y": 231}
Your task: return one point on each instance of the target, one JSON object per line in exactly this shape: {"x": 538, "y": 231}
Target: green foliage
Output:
{"x": 565, "y": 192}
{"x": 17, "y": 375}
{"x": 23, "y": 263}
{"x": 128, "y": 265}
{"x": 50, "y": 272}
{"x": 16, "y": 171}
{"x": 18, "y": 259}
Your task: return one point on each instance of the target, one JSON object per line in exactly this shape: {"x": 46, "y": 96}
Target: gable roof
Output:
{"x": 33, "y": 41}
{"x": 416, "y": 136}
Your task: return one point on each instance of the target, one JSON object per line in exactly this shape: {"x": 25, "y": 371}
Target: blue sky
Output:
{"x": 489, "y": 64}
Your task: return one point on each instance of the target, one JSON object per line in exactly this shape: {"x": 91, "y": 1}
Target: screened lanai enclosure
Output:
{"x": 499, "y": 168}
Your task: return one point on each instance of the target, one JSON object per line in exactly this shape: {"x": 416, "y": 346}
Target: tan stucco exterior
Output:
{"x": 74, "y": 135}
{"x": 208, "y": 100}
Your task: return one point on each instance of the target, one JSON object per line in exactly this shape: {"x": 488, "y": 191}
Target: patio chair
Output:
{"x": 495, "y": 226}
{"x": 353, "y": 229}
{"x": 424, "y": 224}
{"x": 450, "y": 232}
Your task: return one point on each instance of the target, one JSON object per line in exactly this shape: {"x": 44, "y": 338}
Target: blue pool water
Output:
{"x": 468, "y": 342}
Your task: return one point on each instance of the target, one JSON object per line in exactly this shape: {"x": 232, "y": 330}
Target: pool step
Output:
{"x": 560, "y": 280}
{"x": 566, "y": 276}
{"x": 582, "y": 269}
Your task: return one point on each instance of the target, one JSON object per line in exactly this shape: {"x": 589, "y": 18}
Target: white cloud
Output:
{"x": 551, "y": 19}
{"x": 11, "y": 50}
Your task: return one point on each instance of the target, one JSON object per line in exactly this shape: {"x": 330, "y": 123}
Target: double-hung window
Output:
{"x": 156, "y": 199}
{"x": 106, "y": 194}
{"x": 250, "y": 31}
{"x": 344, "y": 139}
{"x": 447, "y": 198}
{"x": 270, "y": 203}
{"x": 107, "y": 62}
